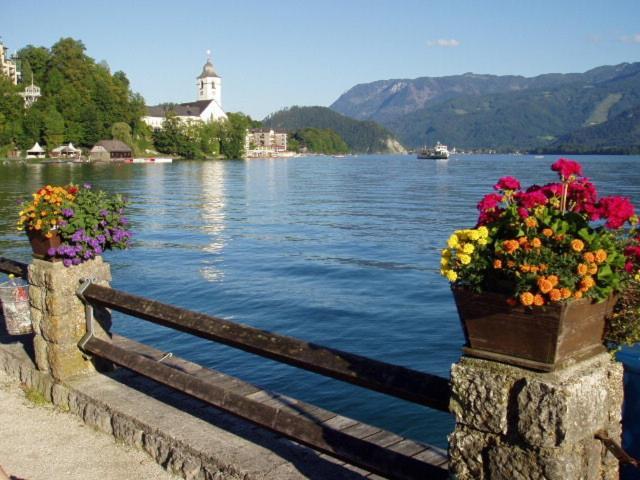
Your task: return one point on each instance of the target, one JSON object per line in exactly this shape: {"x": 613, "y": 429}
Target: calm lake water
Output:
{"x": 342, "y": 252}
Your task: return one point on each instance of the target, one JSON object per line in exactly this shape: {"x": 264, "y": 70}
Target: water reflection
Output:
{"x": 213, "y": 218}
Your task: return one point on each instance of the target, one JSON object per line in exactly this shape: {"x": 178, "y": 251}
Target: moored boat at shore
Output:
{"x": 439, "y": 152}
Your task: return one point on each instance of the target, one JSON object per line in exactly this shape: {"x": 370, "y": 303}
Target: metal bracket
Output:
{"x": 616, "y": 450}
{"x": 165, "y": 356}
{"x": 88, "y": 315}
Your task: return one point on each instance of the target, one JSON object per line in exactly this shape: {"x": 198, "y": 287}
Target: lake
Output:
{"x": 343, "y": 252}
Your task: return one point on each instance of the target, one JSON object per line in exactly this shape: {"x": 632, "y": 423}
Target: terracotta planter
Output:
{"x": 41, "y": 244}
{"x": 541, "y": 338}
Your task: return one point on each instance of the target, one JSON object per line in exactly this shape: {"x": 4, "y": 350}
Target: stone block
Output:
{"x": 36, "y": 297}
{"x": 63, "y": 329}
{"x": 40, "y": 349}
{"x": 66, "y": 361}
{"x": 552, "y": 414}
{"x": 466, "y": 449}
{"x": 36, "y": 320}
{"x": 98, "y": 417}
{"x": 60, "y": 396}
{"x": 480, "y": 396}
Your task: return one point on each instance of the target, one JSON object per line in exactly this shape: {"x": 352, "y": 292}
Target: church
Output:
{"x": 207, "y": 108}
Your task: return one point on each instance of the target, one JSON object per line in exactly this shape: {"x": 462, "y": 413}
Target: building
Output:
{"x": 110, "y": 150}
{"x": 31, "y": 94}
{"x": 265, "y": 142}
{"x": 66, "y": 151}
{"x": 36, "y": 151}
{"x": 8, "y": 67}
{"x": 207, "y": 108}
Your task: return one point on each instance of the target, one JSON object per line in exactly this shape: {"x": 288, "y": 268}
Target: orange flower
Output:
{"x": 601, "y": 255}
{"x": 544, "y": 285}
{"x": 525, "y": 268}
{"x": 538, "y": 300}
{"x": 543, "y": 267}
{"x": 510, "y": 246}
{"x": 582, "y": 269}
{"x": 523, "y": 241}
{"x": 497, "y": 264}
{"x": 586, "y": 283}
{"x": 547, "y": 232}
{"x": 577, "y": 245}
{"x": 536, "y": 242}
{"x": 511, "y": 263}
{"x": 593, "y": 269}
{"x": 565, "y": 292}
{"x": 577, "y": 294}
{"x": 589, "y": 257}
{"x": 555, "y": 295}
{"x": 553, "y": 279}
{"x": 526, "y": 298}
{"x": 534, "y": 269}
{"x": 531, "y": 222}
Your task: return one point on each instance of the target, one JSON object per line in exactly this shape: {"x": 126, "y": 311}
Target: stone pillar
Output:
{"x": 58, "y": 315}
{"x": 516, "y": 424}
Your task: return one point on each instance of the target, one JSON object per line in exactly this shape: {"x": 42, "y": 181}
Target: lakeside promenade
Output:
{"x": 39, "y": 442}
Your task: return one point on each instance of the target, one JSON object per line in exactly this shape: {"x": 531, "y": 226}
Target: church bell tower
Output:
{"x": 209, "y": 84}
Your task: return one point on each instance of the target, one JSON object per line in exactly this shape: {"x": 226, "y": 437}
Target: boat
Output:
{"x": 439, "y": 152}
{"x": 151, "y": 160}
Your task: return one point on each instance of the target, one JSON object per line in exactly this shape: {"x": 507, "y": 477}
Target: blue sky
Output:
{"x": 281, "y": 53}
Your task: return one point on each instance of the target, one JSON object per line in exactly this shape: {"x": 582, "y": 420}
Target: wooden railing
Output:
{"x": 298, "y": 421}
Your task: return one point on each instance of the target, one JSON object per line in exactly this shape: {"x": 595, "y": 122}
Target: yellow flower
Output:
{"x": 452, "y": 276}
{"x": 464, "y": 259}
{"x": 474, "y": 235}
{"x": 531, "y": 222}
{"x": 482, "y": 241}
{"x": 446, "y": 253}
{"x": 483, "y": 232}
{"x": 468, "y": 248}
{"x": 453, "y": 241}
{"x": 601, "y": 255}
{"x": 444, "y": 261}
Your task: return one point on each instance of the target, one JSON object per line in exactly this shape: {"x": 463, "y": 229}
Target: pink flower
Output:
{"x": 523, "y": 212}
{"x": 531, "y": 198}
{"x": 617, "y": 211}
{"x": 552, "y": 189}
{"x": 487, "y": 217}
{"x": 567, "y": 168}
{"x": 582, "y": 196}
{"x": 489, "y": 202}
{"x": 507, "y": 183}
{"x": 628, "y": 267}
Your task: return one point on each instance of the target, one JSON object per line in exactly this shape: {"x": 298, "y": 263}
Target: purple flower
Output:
{"x": 101, "y": 239}
{"x": 98, "y": 250}
{"x": 104, "y": 213}
{"x": 124, "y": 220}
{"x": 66, "y": 262}
{"x": 102, "y": 223}
{"x": 78, "y": 236}
{"x": 76, "y": 261}
{"x": 68, "y": 212}
{"x": 63, "y": 223}
{"x": 51, "y": 252}
{"x": 87, "y": 186}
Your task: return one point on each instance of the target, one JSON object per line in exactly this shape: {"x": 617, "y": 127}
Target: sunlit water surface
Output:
{"x": 342, "y": 252}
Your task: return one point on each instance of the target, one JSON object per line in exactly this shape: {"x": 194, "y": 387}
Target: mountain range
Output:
{"x": 473, "y": 111}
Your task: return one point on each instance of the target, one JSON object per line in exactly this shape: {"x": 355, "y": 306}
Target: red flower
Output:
{"x": 489, "y": 202}
{"x": 552, "y": 189}
{"x": 507, "y": 183}
{"x": 487, "y": 217}
{"x": 523, "y": 212}
{"x": 617, "y": 211}
{"x": 567, "y": 168}
{"x": 582, "y": 196}
{"x": 531, "y": 198}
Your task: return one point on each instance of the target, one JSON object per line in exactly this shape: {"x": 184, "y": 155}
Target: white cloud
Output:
{"x": 444, "y": 42}
{"x": 635, "y": 38}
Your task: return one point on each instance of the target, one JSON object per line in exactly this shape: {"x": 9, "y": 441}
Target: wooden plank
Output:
{"x": 18, "y": 269}
{"x": 320, "y": 436}
{"x": 412, "y": 385}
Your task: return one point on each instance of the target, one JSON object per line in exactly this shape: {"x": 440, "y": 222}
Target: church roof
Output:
{"x": 190, "y": 109}
{"x": 208, "y": 71}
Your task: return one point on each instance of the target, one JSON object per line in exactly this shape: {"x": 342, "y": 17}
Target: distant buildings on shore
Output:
{"x": 265, "y": 142}
{"x": 208, "y": 107}
{"x": 10, "y": 68}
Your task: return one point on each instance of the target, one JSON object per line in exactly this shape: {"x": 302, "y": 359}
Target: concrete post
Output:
{"x": 58, "y": 315}
{"x": 516, "y": 424}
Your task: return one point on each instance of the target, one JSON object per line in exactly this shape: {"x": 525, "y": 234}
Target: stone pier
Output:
{"x": 58, "y": 315}
{"x": 516, "y": 424}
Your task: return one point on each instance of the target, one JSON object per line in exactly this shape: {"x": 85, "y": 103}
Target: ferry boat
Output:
{"x": 439, "y": 152}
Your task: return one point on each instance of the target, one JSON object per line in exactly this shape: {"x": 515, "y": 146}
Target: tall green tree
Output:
{"x": 54, "y": 128}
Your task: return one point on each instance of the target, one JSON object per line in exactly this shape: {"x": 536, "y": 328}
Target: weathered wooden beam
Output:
{"x": 418, "y": 387}
{"x": 18, "y": 269}
{"x": 315, "y": 434}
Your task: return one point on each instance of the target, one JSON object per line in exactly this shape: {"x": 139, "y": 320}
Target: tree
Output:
{"x": 233, "y": 135}
{"x": 53, "y": 128}
{"x": 122, "y": 131}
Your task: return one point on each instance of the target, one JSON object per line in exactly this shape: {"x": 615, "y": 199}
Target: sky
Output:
{"x": 273, "y": 55}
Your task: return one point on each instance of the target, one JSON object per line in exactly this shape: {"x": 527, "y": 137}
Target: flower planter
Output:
{"x": 40, "y": 244}
{"x": 540, "y": 338}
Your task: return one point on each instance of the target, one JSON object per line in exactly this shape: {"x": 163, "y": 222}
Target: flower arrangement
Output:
{"x": 87, "y": 221}
{"x": 547, "y": 244}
